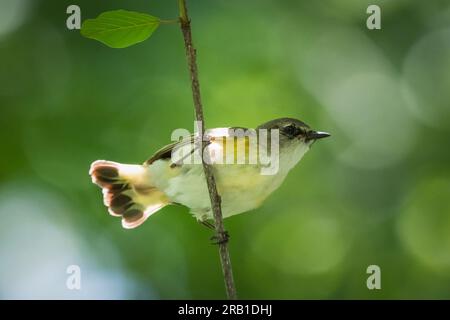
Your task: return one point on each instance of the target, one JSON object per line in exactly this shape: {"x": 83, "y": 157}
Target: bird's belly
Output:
{"x": 241, "y": 187}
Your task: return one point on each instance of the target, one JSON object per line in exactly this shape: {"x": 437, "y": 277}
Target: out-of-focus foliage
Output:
{"x": 377, "y": 192}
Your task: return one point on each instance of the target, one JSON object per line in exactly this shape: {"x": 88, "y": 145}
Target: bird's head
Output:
{"x": 293, "y": 132}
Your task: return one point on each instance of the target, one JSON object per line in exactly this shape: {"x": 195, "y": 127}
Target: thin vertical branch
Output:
{"x": 221, "y": 234}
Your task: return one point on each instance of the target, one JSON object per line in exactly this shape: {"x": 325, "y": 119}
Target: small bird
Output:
{"x": 134, "y": 192}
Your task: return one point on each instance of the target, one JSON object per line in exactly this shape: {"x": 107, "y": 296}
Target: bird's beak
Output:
{"x": 316, "y": 135}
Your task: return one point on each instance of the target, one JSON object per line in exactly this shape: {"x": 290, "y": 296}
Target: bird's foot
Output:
{"x": 220, "y": 238}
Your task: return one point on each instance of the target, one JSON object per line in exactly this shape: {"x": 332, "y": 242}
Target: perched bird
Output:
{"x": 134, "y": 192}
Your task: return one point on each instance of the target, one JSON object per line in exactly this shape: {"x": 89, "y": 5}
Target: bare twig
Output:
{"x": 221, "y": 234}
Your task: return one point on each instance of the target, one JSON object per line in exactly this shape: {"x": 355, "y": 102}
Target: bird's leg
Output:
{"x": 208, "y": 224}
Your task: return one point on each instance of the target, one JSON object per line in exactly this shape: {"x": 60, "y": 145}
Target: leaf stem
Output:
{"x": 221, "y": 234}
{"x": 169, "y": 21}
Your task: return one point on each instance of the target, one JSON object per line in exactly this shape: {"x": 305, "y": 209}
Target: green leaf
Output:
{"x": 120, "y": 28}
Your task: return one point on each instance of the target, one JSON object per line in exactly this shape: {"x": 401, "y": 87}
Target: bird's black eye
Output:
{"x": 291, "y": 130}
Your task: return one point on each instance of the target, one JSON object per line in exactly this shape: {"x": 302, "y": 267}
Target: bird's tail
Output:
{"x": 127, "y": 191}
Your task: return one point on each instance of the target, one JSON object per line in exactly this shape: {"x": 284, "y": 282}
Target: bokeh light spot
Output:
{"x": 424, "y": 225}
{"x": 12, "y": 14}
{"x": 350, "y": 76}
{"x": 426, "y": 79}
{"x": 311, "y": 243}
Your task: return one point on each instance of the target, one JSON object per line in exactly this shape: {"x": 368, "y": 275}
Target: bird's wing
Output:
{"x": 213, "y": 136}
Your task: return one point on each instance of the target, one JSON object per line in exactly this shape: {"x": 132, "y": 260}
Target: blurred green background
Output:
{"x": 377, "y": 192}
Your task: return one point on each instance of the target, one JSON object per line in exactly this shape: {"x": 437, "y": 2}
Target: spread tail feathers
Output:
{"x": 127, "y": 191}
